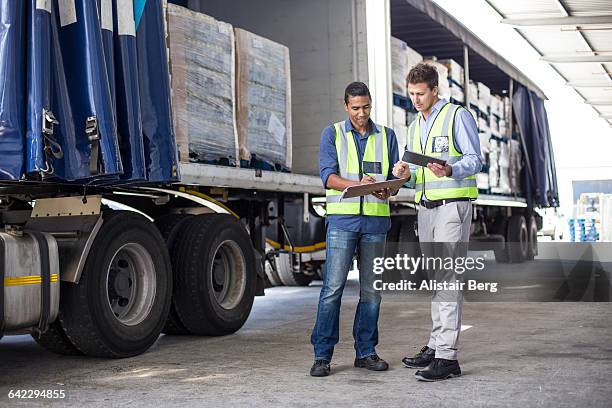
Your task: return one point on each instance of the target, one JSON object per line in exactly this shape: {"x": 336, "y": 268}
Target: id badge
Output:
{"x": 372, "y": 167}
{"x": 440, "y": 144}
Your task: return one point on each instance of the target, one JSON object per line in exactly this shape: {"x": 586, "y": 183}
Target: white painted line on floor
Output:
{"x": 464, "y": 327}
{"x": 522, "y": 287}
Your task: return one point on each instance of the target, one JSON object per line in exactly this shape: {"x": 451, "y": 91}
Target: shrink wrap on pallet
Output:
{"x": 203, "y": 78}
{"x": 263, "y": 100}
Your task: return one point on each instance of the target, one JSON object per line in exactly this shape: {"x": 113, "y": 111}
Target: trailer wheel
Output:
{"x": 518, "y": 237}
{"x": 56, "y": 341}
{"x": 272, "y": 274}
{"x": 532, "y": 249}
{"x": 121, "y": 302}
{"x": 214, "y": 265}
{"x": 286, "y": 273}
{"x": 321, "y": 270}
{"x": 169, "y": 225}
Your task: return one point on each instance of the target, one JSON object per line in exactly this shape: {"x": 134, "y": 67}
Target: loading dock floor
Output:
{"x": 514, "y": 354}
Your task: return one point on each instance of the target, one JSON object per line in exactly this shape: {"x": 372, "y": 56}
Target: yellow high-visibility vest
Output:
{"x": 375, "y": 163}
{"x": 441, "y": 144}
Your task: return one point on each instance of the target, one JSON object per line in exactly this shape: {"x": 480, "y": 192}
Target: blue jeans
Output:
{"x": 341, "y": 246}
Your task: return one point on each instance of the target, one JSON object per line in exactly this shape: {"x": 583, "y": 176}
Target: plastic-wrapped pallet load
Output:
{"x": 473, "y": 93}
{"x": 455, "y": 71}
{"x": 605, "y": 210}
{"x": 494, "y": 163}
{"x": 456, "y": 93}
{"x": 484, "y": 97}
{"x": 482, "y": 181}
{"x": 506, "y": 107}
{"x": 203, "y": 78}
{"x": 443, "y": 87}
{"x": 484, "y": 134}
{"x": 494, "y": 125}
{"x": 515, "y": 165}
{"x": 263, "y": 89}
{"x": 400, "y": 128}
{"x": 412, "y": 58}
{"x": 399, "y": 66}
{"x": 495, "y": 108}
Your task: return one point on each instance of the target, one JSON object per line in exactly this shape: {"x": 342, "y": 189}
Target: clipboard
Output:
{"x": 365, "y": 189}
{"x": 421, "y": 159}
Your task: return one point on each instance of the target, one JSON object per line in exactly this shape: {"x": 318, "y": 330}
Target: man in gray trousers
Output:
{"x": 444, "y": 194}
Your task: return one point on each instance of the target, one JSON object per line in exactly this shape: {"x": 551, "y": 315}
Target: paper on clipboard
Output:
{"x": 420, "y": 159}
{"x": 365, "y": 189}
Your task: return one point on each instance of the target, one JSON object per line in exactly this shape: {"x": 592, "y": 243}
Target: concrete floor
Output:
{"x": 514, "y": 354}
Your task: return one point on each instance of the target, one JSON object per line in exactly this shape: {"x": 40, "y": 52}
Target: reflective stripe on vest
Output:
{"x": 427, "y": 183}
{"x": 350, "y": 168}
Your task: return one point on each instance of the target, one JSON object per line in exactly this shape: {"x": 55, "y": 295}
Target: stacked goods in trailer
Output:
{"x": 403, "y": 58}
{"x": 203, "y": 83}
{"x": 263, "y": 98}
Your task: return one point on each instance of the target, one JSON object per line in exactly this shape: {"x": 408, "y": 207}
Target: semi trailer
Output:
{"x": 102, "y": 267}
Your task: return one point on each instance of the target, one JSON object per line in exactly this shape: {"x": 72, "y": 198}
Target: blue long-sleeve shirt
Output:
{"x": 465, "y": 132}
{"x": 328, "y": 164}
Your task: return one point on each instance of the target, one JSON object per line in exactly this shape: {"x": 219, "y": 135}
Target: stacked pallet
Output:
{"x": 231, "y": 93}
{"x": 263, "y": 100}
{"x": 203, "y": 80}
{"x": 583, "y": 230}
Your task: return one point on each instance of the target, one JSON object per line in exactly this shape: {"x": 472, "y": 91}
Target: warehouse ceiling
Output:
{"x": 574, "y": 37}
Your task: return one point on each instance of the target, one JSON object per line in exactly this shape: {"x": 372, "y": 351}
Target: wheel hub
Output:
{"x": 131, "y": 284}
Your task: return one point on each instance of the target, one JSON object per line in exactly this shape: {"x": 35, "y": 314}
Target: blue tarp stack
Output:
{"x": 85, "y": 93}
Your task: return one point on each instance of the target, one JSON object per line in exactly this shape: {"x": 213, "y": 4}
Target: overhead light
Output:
{"x": 559, "y": 21}
{"x": 555, "y": 59}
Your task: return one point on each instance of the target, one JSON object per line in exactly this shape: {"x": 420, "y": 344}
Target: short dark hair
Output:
{"x": 356, "y": 89}
{"x": 423, "y": 72}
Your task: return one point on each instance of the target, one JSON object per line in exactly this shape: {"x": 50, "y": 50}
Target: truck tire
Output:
{"x": 518, "y": 237}
{"x": 56, "y": 341}
{"x": 121, "y": 302}
{"x": 532, "y": 229}
{"x": 286, "y": 273}
{"x": 321, "y": 270}
{"x": 214, "y": 266}
{"x": 169, "y": 225}
{"x": 271, "y": 274}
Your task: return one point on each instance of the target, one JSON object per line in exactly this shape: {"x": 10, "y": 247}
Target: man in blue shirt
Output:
{"x": 351, "y": 153}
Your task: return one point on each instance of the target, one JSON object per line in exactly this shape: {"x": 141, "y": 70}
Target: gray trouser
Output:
{"x": 448, "y": 226}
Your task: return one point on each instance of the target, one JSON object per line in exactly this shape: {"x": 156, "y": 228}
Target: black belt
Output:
{"x": 437, "y": 203}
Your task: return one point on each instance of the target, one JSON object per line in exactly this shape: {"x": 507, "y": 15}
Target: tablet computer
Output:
{"x": 421, "y": 159}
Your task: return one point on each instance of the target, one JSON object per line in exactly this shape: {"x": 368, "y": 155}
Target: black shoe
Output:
{"x": 421, "y": 360}
{"x": 372, "y": 362}
{"x": 439, "y": 369}
{"x": 320, "y": 368}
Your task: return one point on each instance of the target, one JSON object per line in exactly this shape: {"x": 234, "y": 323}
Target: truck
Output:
{"x": 103, "y": 269}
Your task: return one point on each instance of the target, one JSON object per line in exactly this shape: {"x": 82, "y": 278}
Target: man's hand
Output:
{"x": 382, "y": 194}
{"x": 367, "y": 179}
{"x": 439, "y": 170}
{"x": 401, "y": 170}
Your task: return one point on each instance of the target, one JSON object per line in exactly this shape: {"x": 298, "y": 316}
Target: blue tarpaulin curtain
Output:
{"x": 85, "y": 66}
{"x": 161, "y": 157}
{"x": 12, "y": 88}
{"x": 532, "y": 120}
{"x": 129, "y": 123}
